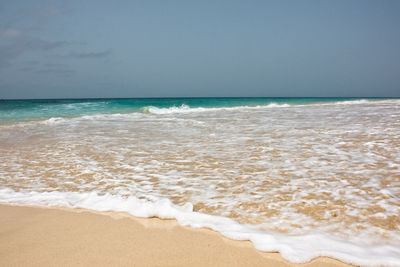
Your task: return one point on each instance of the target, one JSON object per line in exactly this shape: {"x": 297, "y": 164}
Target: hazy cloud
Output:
{"x": 55, "y": 71}
{"x": 55, "y": 65}
{"x": 14, "y": 48}
{"x": 53, "y": 45}
{"x": 102, "y": 54}
{"x": 269, "y": 48}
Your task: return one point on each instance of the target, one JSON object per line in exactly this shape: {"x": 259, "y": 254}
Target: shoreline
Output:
{"x": 48, "y": 236}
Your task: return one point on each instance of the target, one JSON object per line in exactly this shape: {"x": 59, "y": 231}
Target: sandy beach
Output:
{"x": 200, "y": 133}
{"x": 34, "y": 236}
{"x": 303, "y": 178}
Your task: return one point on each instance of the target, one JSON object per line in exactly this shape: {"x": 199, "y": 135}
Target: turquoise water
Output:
{"x": 20, "y": 110}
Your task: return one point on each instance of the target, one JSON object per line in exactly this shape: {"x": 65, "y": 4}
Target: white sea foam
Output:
{"x": 353, "y": 102}
{"x": 319, "y": 172}
{"x": 53, "y": 120}
{"x": 187, "y": 109}
{"x": 297, "y": 249}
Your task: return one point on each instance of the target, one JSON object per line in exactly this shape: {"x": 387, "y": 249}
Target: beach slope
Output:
{"x": 34, "y": 236}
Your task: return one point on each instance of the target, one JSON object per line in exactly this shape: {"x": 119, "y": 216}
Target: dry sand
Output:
{"x": 34, "y": 236}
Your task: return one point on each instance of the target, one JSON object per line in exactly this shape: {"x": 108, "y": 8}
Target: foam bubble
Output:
{"x": 297, "y": 249}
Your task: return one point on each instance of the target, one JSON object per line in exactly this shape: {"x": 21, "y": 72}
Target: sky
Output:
{"x": 79, "y": 49}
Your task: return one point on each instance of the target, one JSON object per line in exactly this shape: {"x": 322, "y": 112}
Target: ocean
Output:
{"x": 307, "y": 177}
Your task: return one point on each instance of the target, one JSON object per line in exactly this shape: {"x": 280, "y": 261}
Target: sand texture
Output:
{"x": 33, "y": 236}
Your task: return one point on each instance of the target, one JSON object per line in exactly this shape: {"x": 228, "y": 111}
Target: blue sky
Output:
{"x": 74, "y": 49}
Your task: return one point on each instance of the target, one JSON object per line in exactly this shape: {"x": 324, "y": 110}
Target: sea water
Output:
{"x": 306, "y": 177}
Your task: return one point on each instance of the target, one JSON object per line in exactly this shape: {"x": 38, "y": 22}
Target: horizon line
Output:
{"x": 183, "y": 97}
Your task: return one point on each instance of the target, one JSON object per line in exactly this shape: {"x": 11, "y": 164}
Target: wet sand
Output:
{"x": 34, "y": 236}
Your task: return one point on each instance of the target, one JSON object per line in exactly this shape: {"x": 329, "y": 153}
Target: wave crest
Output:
{"x": 186, "y": 109}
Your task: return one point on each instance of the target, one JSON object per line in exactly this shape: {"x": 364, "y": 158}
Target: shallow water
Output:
{"x": 286, "y": 169}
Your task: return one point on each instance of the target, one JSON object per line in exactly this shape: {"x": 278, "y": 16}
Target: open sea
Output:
{"x": 307, "y": 177}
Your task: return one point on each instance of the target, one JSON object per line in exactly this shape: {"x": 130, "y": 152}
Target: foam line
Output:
{"x": 297, "y": 249}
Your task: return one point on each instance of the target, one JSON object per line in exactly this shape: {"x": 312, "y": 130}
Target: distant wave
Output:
{"x": 186, "y": 109}
{"x": 365, "y": 101}
{"x": 93, "y": 110}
